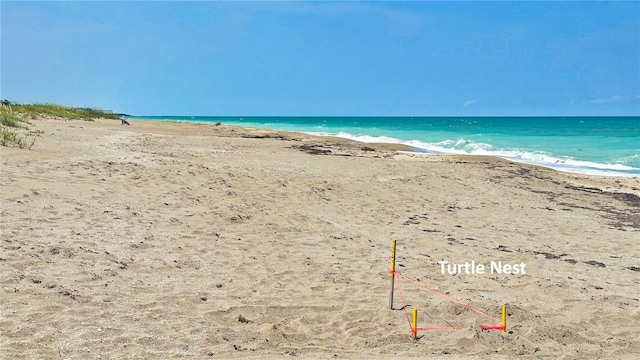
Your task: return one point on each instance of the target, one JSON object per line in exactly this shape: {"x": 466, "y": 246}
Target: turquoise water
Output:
{"x": 608, "y": 146}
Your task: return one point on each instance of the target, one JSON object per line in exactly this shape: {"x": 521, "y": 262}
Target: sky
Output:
{"x": 320, "y": 58}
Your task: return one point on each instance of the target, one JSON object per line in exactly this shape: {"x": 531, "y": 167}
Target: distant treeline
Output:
{"x": 58, "y": 111}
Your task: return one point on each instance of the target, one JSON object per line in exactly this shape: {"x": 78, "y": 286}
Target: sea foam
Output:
{"x": 467, "y": 147}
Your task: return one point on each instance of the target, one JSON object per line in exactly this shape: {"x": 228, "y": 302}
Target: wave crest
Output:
{"x": 468, "y": 147}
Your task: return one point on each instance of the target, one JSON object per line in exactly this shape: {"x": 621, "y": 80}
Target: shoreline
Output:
{"x": 165, "y": 239}
{"x": 567, "y": 164}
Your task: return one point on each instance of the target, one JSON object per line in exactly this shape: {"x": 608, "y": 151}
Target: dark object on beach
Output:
{"x": 123, "y": 121}
{"x": 547, "y": 255}
{"x": 595, "y": 263}
{"x": 218, "y": 123}
{"x": 314, "y": 149}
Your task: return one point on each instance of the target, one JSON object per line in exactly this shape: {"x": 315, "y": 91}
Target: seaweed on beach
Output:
{"x": 621, "y": 218}
{"x": 595, "y": 263}
{"x": 630, "y": 199}
{"x": 547, "y": 255}
{"x": 314, "y": 149}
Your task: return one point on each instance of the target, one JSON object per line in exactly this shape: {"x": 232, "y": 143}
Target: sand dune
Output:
{"x": 166, "y": 240}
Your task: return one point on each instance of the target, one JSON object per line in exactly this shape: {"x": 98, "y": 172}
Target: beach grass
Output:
{"x": 63, "y": 112}
{"x": 11, "y": 138}
{"x": 10, "y": 126}
{"x": 10, "y": 119}
{"x": 14, "y": 119}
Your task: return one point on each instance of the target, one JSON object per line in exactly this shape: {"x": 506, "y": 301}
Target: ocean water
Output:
{"x": 606, "y": 146}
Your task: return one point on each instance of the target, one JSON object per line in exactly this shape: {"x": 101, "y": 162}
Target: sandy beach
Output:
{"x": 175, "y": 240}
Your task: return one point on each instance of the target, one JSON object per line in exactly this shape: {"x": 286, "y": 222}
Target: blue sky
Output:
{"x": 418, "y": 58}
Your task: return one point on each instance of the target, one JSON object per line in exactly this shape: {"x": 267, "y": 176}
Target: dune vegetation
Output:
{"x": 59, "y": 111}
{"x": 11, "y": 125}
{"x": 15, "y": 120}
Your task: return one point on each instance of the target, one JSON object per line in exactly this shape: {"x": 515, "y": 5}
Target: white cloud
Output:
{"x": 469, "y": 102}
{"x": 614, "y": 99}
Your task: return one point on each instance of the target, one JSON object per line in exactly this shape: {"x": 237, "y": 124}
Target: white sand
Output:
{"x": 165, "y": 240}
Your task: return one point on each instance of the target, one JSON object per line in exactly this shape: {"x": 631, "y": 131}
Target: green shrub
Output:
{"x": 64, "y": 112}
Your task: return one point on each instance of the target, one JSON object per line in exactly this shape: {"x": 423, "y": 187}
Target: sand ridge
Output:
{"x": 165, "y": 240}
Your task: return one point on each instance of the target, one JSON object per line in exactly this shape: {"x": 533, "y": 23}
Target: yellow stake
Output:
{"x": 393, "y": 257}
{"x": 504, "y": 318}
{"x": 414, "y": 323}
{"x": 392, "y": 272}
